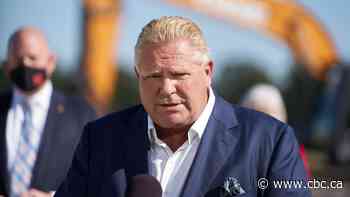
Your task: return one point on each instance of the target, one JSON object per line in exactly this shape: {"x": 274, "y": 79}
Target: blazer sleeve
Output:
{"x": 76, "y": 181}
{"x": 286, "y": 165}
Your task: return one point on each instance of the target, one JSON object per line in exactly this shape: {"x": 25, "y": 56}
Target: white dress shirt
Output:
{"x": 171, "y": 168}
{"x": 39, "y": 104}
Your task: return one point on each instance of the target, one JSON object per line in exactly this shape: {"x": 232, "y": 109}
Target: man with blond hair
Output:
{"x": 183, "y": 134}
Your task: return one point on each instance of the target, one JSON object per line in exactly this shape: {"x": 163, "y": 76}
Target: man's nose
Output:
{"x": 167, "y": 87}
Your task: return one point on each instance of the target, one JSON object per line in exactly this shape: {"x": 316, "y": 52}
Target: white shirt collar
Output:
{"x": 40, "y": 98}
{"x": 198, "y": 127}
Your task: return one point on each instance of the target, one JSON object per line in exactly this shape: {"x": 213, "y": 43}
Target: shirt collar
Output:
{"x": 40, "y": 98}
{"x": 198, "y": 127}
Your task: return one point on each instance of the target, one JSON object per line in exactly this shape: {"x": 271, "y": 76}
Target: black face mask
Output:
{"x": 28, "y": 79}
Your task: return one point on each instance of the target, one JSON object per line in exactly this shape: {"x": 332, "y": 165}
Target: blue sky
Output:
{"x": 61, "y": 21}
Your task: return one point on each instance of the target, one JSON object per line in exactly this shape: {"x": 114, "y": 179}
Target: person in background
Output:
{"x": 265, "y": 98}
{"x": 39, "y": 126}
{"x": 268, "y": 99}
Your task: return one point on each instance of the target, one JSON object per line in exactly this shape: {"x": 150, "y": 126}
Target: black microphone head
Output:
{"x": 144, "y": 186}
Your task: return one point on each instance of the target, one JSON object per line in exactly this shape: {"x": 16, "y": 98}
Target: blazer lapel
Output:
{"x": 53, "y": 117}
{"x": 4, "y": 108}
{"x": 137, "y": 145}
{"x": 134, "y": 146}
{"x": 217, "y": 143}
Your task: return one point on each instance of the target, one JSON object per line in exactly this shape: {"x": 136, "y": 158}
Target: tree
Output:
{"x": 237, "y": 78}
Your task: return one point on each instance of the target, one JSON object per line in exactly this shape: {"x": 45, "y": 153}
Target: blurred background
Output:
{"x": 301, "y": 48}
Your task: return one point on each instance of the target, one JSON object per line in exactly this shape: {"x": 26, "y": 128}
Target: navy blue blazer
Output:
{"x": 63, "y": 128}
{"x": 237, "y": 142}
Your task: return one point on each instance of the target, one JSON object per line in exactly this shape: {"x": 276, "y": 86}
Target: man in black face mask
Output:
{"x": 29, "y": 60}
{"x": 39, "y": 127}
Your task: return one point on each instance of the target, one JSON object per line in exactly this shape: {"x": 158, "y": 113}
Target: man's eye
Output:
{"x": 181, "y": 75}
{"x": 32, "y": 57}
{"x": 152, "y": 77}
{"x": 155, "y": 76}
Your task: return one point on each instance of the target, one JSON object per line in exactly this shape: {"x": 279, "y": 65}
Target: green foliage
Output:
{"x": 126, "y": 93}
{"x": 301, "y": 97}
{"x": 67, "y": 83}
{"x": 4, "y": 82}
{"x": 236, "y": 79}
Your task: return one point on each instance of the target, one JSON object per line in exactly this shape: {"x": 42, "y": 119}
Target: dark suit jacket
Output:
{"x": 66, "y": 118}
{"x": 237, "y": 142}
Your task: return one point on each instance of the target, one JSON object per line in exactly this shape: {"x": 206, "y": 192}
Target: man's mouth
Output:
{"x": 170, "y": 104}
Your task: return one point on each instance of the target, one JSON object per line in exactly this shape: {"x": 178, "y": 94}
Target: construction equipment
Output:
{"x": 282, "y": 19}
{"x": 101, "y": 22}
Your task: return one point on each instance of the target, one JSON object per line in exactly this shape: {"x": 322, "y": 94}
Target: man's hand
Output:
{"x": 35, "y": 193}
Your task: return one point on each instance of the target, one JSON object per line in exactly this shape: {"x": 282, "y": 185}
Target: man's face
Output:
{"x": 30, "y": 50}
{"x": 173, "y": 82}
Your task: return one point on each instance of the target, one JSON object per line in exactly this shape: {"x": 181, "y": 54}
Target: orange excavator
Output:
{"x": 285, "y": 20}
{"x": 101, "y": 22}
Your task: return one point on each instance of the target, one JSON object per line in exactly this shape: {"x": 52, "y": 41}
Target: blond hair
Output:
{"x": 169, "y": 28}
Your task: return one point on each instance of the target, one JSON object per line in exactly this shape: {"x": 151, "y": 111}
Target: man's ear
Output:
{"x": 136, "y": 72}
{"x": 51, "y": 64}
{"x": 209, "y": 70}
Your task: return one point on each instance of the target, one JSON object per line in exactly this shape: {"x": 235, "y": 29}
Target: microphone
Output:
{"x": 143, "y": 186}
